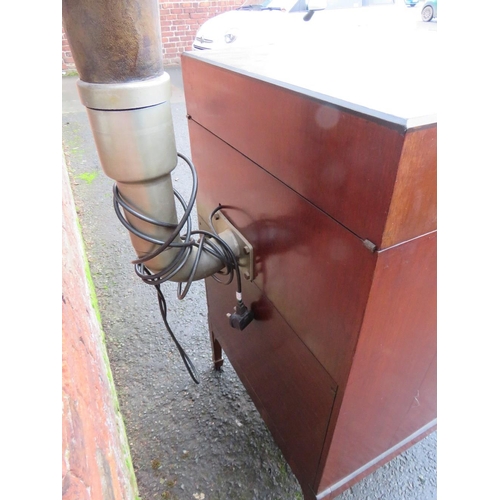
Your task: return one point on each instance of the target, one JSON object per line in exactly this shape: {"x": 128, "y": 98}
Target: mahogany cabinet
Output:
{"x": 338, "y": 199}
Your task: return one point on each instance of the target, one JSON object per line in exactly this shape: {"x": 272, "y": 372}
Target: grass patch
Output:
{"x": 88, "y": 177}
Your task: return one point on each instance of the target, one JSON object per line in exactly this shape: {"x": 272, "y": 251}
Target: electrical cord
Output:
{"x": 185, "y": 358}
{"x": 207, "y": 241}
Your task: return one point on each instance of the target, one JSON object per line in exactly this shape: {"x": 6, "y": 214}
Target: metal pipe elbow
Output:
{"x": 134, "y": 136}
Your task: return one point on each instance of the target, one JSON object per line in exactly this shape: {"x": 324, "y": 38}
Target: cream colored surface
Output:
{"x": 385, "y": 67}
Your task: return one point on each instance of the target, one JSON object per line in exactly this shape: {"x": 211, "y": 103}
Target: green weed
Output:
{"x": 87, "y": 176}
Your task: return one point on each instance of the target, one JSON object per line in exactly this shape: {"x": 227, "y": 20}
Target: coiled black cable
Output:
{"x": 207, "y": 242}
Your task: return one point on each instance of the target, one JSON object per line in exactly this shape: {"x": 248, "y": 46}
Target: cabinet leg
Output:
{"x": 216, "y": 352}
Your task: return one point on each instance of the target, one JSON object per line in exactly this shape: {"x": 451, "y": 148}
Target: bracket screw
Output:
{"x": 246, "y": 275}
{"x": 246, "y": 249}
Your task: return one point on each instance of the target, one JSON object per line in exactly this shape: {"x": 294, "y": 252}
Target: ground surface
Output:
{"x": 188, "y": 441}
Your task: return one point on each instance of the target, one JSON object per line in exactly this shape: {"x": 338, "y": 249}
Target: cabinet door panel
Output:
{"x": 315, "y": 272}
{"x": 289, "y": 387}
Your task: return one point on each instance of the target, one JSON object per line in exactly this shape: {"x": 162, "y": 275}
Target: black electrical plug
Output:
{"x": 241, "y": 317}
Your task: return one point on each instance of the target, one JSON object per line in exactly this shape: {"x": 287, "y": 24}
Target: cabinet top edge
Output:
{"x": 390, "y": 87}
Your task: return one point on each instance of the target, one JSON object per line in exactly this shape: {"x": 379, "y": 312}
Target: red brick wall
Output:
{"x": 179, "y": 22}
{"x": 67, "y": 58}
{"x": 181, "y": 19}
{"x": 96, "y": 463}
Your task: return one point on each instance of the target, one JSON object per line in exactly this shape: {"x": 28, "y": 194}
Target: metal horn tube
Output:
{"x": 116, "y": 46}
{"x": 114, "y": 40}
